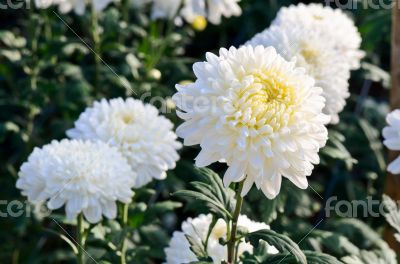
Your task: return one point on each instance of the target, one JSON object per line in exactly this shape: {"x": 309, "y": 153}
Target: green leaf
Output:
{"x": 375, "y": 143}
{"x": 211, "y": 190}
{"x": 214, "y": 205}
{"x": 281, "y": 242}
{"x": 310, "y": 256}
{"x": 375, "y": 73}
{"x": 335, "y": 149}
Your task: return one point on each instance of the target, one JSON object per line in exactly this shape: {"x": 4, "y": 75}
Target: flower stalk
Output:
{"x": 33, "y": 44}
{"x": 96, "y": 45}
{"x": 232, "y": 238}
{"x": 124, "y": 218}
{"x": 81, "y": 240}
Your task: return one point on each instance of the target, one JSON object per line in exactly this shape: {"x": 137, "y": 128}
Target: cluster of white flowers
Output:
{"x": 258, "y": 113}
{"x": 197, "y": 229}
{"x": 86, "y": 177}
{"x": 190, "y": 10}
{"x": 143, "y": 136}
{"x": 322, "y": 40}
{"x": 118, "y": 145}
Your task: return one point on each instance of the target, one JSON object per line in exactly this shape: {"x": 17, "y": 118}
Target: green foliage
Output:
{"x": 49, "y": 74}
{"x": 212, "y": 192}
{"x": 280, "y": 242}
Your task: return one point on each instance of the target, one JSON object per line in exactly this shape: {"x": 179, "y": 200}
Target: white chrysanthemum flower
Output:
{"x": 144, "y": 137}
{"x": 391, "y": 134}
{"x": 314, "y": 52}
{"x": 86, "y": 177}
{"x": 189, "y": 10}
{"x": 257, "y": 112}
{"x": 197, "y": 229}
{"x": 326, "y": 20}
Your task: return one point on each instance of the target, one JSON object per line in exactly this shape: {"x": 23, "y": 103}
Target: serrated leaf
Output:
{"x": 310, "y": 256}
{"x": 211, "y": 191}
{"x": 281, "y": 242}
{"x": 375, "y": 143}
{"x": 214, "y": 205}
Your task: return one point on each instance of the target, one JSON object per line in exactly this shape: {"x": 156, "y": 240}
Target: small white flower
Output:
{"x": 86, "y": 177}
{"x": 326, "y": 20}
{"x": 257, "y": 112}
{"x": 315, "y": 52}
{"x": 197, "y": 228}
{"x": 391, "y": 134}
{"x": 189, "y": 10}
{"x": 143, "y": 136}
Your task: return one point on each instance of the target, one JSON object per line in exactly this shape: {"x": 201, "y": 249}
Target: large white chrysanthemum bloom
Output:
{"x": 143, "y": 136}
{"x": 86, "y": 177}
{"x": 391, "y": 134}
{"x": 197, "y": 229}
{"x": 314, "y": 52}
{"x": 257, "y": 112}
{"x": 189, "y": 10}
{"x": 324, "y": 19}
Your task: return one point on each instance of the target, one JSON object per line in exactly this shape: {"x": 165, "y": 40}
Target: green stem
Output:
{"x": 47, "y": 25}
{"x": 33, "y": 37}
{"x": 96, "y": 45}
{"x": 232, "y": 237}
{"x": 125, "y": 11}
{"x": 125, "y": 213}
{"x": 81, "y": 240}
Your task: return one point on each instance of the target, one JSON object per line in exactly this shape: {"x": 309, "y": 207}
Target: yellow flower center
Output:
{"x": 318, "y": 17}
{"x": 127, "y": 118}
{"x": 268, "y": 100}
{"x": 219, "y": 230}
{"x": 199, "y": 23}
{"x": 312, "y": 57}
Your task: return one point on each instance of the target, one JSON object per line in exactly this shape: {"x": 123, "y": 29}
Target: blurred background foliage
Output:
{"x": 49, "y": 74}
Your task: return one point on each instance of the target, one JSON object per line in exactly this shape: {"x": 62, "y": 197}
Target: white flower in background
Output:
{"x": 314, "y": 52}
{"x": 197, "y": 228}
{"x": 78, "y": 6}
{"x": 144, "y": 137}
{"x": 165, "y": 8}
{"x": 44, "y": 3}
{"x": 393, "y": 215}
{"x": 191, "y": 10}
{"x": 257, "y": 112}
{"x": 391, "y": 135}
{"x": 324, "y": 19}
{"x": 86, "y": 177}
